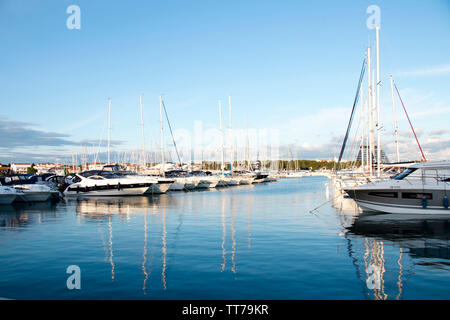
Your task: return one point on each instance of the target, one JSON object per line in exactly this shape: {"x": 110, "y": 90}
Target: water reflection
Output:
{"x": 424, "y": 236}
{"x": 17, "y": 216}
{"x": 224, "y": 235}
{"x": 144, "y": 257}
{"x": 164, "y": 249}
{"x": 424, "y": 240}
{"x": 233, "y": 239}
{"x": 100, "y": 208}
{"x": 111, "y": 254}
{"x": 249, "y": 242}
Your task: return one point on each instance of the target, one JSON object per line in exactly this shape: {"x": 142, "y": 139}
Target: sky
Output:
{"x": 290, "y": 67}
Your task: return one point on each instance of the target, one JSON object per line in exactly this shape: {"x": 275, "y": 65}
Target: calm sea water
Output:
{"x": 248, "y": 242}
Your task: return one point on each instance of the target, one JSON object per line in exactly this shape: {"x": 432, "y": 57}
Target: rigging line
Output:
{"x": 410, "y": 124}
{"x": 312, "y": 211}
{"x": 356, "y": 144}
{"x": 171, "y": 133}
{"x": 353, "y": 112}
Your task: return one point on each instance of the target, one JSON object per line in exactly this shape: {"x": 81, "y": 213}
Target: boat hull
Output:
{"x": 399, "y": 201}
{"x": 159, "y": 188}
{"x": 34, "y": 196}
{"x": 246, "y": 181}
{"x": 203, "y": 184}
{"x": 213, "y": 183}
{"x": 108, "y": 193}
{"x": 222, "y": 183}
{"x": 177, "y": 186}
{"x": 7, "y": 198}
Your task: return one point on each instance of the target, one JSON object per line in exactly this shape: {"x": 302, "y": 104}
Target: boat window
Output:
{"x": 416, "y": 195}
{"x": 108, "y": 175}
{"x": 87, "y": 174}
{"x": 404, "y": 173}
{"x": 384, "y": 194}
{"x": 96, "y": 178}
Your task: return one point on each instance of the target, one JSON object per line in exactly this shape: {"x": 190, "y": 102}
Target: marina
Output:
{"x": 225, "y": 151}
{"x": 219, "y": 245}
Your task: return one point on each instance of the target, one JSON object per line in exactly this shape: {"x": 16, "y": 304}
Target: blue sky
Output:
{"x": 291, "y": 66}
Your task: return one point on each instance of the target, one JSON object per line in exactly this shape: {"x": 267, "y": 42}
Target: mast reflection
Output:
{"x": 164, "y": 249}
{"x": 144, "y": 256}
{"x": 111, "y": 253}
{"x": 422, "y": 239}
{"x": 224, "y": 234}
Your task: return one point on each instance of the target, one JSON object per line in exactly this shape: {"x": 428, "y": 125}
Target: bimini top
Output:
{"x": 432, "y": 165}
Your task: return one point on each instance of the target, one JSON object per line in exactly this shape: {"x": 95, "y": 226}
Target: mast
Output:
{"x": 367, "y": 131}
{"x": 142, "y": 126}
{"x": 109, "y": 129}
{"x": 362, "y": 128}
{"x": 378, "y": 104}
{"x": 231, "y": 135}
{"x": 247, "y": 145}
{"x": 369, "y": 86}
{"x": 395, "y": 119}
{"x": 221, "y": 133}
{"x": 163, "y": 164}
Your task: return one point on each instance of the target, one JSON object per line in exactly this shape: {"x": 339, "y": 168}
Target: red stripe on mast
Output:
{"x": 415, "y": 136}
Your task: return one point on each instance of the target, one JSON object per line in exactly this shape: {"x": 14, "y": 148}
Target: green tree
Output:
{"x": 31, "y": 169}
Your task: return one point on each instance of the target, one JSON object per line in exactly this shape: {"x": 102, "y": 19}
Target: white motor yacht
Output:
{"x": 422, "y": 188}
{"x": 29, "y": 192}
{"x": 104, "y": 183}
{"x": 8, "y": 195}
{"x": 157, "y": 185}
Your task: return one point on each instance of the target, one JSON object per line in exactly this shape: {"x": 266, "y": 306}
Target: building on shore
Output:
{"x": 20, "y": 168}
{"x": 94, "y": 166}
{"x": 384, "y": 157}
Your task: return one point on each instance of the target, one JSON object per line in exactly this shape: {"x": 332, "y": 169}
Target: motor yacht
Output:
{"x": 104, "y": 183}
{"x": 422, "y": 188}
{"x": 8, "y": 195}
{"x": 29, "y": 191}
{"x": 157, "y": 185}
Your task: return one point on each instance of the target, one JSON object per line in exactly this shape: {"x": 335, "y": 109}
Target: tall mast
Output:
{"x": 142, "y": 126}
{"x": 395, "y": 119}
{"x": 370, "y": 111}
{"x": 378, "y": 104}
{"x": 231, "y": 135}
{"x": 367, "y": 130}
{"x": 163, "y": 164}
{"x": 221, "y": 133}
{"x": 362, "y": 127}
{"x": 373, "y": 117}
{"x": 109, "y": 129}
{"x": 247, "y": 145}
